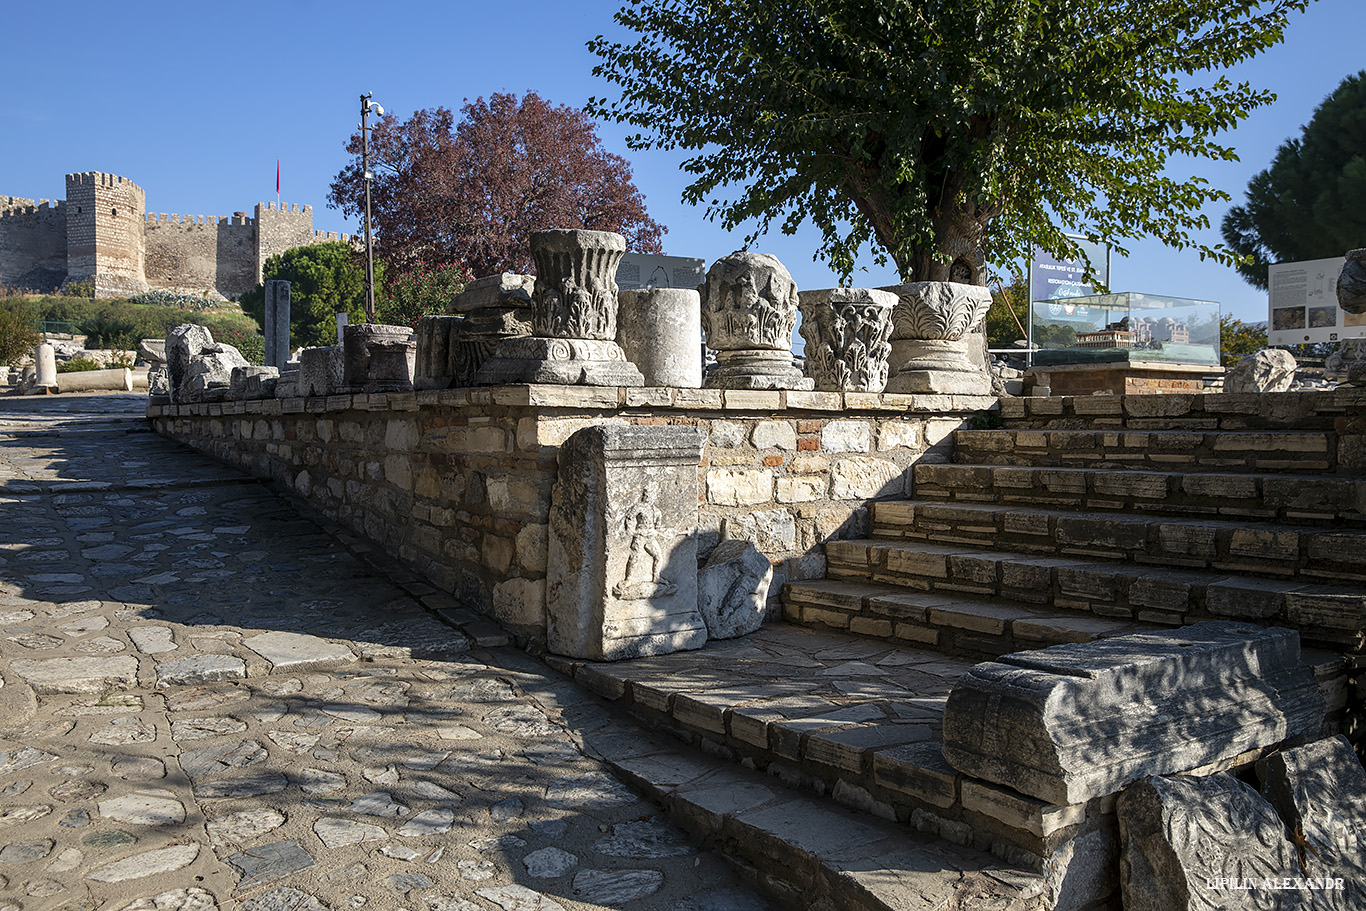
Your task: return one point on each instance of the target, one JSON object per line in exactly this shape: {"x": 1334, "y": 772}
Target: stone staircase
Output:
{"x": 1077, "y": 520}
{"x": 1039, "y": 533}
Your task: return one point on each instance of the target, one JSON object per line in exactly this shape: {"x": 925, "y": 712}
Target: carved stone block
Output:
{"x": 1073, "y": 722}
{"x": 732, "y": 589}
{"x": 507, "y": 290}
{"x": 451, "y": 349}
{"x": 378, "y": 358}
{"x": 1320, "y": 791}
{"x": 200, "y": 368}
{"x": 246, "y": 382}
{"x": 1202, "y": 844}
{"x": 846, "y": 332}
{"x": 621, "y": 573}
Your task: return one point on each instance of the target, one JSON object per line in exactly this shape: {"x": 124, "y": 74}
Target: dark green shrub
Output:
{"x": 19, "y": 333}
{"x": 78, "y": 365}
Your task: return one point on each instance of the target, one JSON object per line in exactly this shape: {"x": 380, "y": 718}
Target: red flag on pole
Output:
{"x": 277, "y": 177}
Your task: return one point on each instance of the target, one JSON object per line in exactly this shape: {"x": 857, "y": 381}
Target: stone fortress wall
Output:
{"x": 102, "y": 233}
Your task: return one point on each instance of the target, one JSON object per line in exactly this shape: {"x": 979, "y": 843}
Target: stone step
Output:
{"x": 1309, "y": 553}
{"x": 1276, "y": 411}
{"x": 961, "y": 625}
{"x": 1263, "y": 497}
{"x": 1326, "y": 615}
{"x": 798, "y": 848}
{"x": 832, "y": 714}
{"x": 1186, "y": 450}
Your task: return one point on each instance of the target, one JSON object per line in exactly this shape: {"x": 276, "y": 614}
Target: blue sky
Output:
{"x": 195, "y": 102}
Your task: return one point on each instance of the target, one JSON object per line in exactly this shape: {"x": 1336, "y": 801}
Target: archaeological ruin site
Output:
{"x": 890, "y": 638}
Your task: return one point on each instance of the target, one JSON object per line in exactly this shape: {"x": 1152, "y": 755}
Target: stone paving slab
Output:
{"x": 278, "y": 724}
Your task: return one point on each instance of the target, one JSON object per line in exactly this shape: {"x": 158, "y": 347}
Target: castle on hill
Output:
{"x": 103, "y": 234}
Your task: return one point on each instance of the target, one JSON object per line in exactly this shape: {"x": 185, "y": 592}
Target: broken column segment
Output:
{"x": 574, "y": 317}
{"x": 846, "y": 332}
{"x": 749, "y": 309}
{"x": 660, "y": 329}
{"x": 621, "y": 575}
{"x": 732, "y": 589}
{"x": 1073, "y": 722}
{"x": 277, "y": 323}
{"x": 452, "y": 348}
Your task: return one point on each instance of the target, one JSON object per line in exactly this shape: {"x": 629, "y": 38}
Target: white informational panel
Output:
{"x": 1303, "y": 304}
{"x": 640, "y": 271}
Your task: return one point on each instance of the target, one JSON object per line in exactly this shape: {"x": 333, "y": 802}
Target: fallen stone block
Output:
{"x": 1268, "y": 370}
{"x": 1200, "y": 844}
{"x": 320, "y": 371}
{"x": 1077, "y": 721}
{"x": 732, "y": 589}
{"x": 1319, "y": 790}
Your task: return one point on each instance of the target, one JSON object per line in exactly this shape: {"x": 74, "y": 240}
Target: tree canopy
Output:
{"x": 1311, "y": 202}
{"x": 474, "y": 191}
{"x": 325, "y": 279}
{"x": 944, "y": 133}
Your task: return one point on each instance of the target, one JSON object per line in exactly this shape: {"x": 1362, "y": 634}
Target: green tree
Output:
{"x": 1006, "y": 319}
{"x": 945, "y": 133}
{"x": 422, "y": 289}
{"x": 1237, "y": 339}
{"x": 325, "y": 279}
{"x": 1311, "y": 202}
{"x": 19, "y": 333}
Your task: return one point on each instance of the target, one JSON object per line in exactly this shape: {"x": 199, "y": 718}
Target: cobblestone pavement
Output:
{"x": 209, "y": 702}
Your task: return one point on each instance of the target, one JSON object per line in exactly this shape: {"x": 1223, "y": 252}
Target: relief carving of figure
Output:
{"x": 642, "y": 525}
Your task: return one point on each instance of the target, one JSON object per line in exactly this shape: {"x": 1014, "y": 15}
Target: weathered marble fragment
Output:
{"x": 749, "y": 309}
{"x": 321, "y": 370}
{"x": 1352, "y": 282}
{"x": 930, "y": 325}
{"x": 732, "y": 589}
{"x": 1268, "y": 370}
{"x": 1073, "y": 722}
{"x": 621, "y": 575}
{"x": 378, "y": 358}
{"x": 1319, "y": 790}
{"x": 277, "y": 322}
{"x": 846, "y": 332}
{"x": 660, "y": 330}
{"x": 1201, "y": 844}
{"x": 199, "y": 367}
{"x": 252, "y": 382}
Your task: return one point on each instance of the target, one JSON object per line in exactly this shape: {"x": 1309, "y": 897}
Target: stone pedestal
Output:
{"x": 660, "y": 330}
{"x": 573, "y": 317}
{"x": 930, "y": 324}
{"x": 277, "y": 323}
{"x": 372, "y": 363}
{"x": 846, "y": 332}
{"x": 321, "y": 370}
{"x": 621, "y": 574}
{"x": 749, "y": 309}
{"x": 45, "y": 360}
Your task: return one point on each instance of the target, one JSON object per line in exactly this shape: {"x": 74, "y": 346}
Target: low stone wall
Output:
{"x": 458, "y": 482}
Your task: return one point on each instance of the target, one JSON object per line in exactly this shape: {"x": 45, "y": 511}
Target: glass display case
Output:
{"x": 1125, "y": 327}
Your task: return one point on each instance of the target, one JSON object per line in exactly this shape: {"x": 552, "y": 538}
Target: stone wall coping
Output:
{"x": 655, "y": 398}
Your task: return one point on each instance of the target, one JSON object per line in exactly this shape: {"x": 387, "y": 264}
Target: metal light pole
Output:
{"x": 365, "y": 105}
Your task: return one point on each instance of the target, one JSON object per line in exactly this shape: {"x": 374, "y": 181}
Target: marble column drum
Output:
{"x": 660, "y": 330}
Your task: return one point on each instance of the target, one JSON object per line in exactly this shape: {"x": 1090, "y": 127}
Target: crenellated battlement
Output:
{"x": 102, "y": 232}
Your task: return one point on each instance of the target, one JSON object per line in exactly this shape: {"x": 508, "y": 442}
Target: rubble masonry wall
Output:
{"x": 458, "y": 483}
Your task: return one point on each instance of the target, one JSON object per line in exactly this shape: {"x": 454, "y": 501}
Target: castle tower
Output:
{"x": 104, "y": 215}
{"x": 280, "y": 228}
